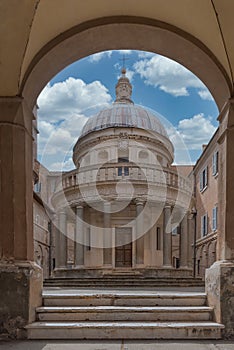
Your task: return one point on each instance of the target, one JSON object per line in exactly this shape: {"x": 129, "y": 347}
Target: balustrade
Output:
{"x": 115, "y": 172}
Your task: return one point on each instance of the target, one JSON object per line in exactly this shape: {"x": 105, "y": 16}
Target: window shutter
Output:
{"x": 214, "y": 164}
{"x": 206, "y": 224}
{"x": 206, "y": 176}
{"x": 217, "y": 162}
{"x": 201, "y": 181}
{"x": 213, "y": 219}
{"x": 215, "y": 215}
{"x": 202, "y": 225}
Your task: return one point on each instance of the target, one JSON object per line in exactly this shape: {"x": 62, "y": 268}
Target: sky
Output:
{"x": 176, "y": 95}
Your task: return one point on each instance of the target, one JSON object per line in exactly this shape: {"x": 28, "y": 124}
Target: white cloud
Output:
{"x": 129, "y": 74}
{"x": 59, "y": 139}
{"x": 98, "y": 56}
{"x": 168, "y": 75}
{"x": 143, "y": 54}
{"x": 107, "y": 54}
{"x": 70, "y": 97}
{"x": 62, "y": 166}
{"x": 61, "y": 116}
{"x": 125, "y": 52}
{"x": 189, "y": 136}
{"x": 194, "y": 132}
{"x": 205, "y": 95}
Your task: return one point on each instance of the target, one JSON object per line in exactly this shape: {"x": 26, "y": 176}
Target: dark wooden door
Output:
{"x": 123, "y": 249}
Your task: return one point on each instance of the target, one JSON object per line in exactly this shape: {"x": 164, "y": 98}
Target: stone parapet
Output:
{"x": 220, "y": 292}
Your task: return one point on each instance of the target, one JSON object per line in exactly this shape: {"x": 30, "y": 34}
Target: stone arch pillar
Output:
{"x": 220, "y": 276}
{"x": 16, "y": 220}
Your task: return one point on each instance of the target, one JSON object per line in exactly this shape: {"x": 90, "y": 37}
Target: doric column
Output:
{"x": 139, "y": 232}
{"x": 184, "y": 242}
{"x": 62, "y": 250}
{"x": 107, "y": 234}
{"x": 167, "y": 237}
{"x": 79, "y": 236}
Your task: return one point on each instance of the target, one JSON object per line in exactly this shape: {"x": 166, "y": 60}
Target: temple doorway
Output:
{"x": 123, "y": 247}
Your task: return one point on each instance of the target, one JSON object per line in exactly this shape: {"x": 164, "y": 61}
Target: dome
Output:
{"x": 124, "y": 115}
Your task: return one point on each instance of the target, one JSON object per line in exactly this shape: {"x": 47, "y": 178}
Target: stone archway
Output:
{"x": 85, "y": 39}
{"x": 125, "y": 32}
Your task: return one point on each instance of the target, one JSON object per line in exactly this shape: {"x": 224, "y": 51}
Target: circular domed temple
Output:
{"x": 118, "y": 210}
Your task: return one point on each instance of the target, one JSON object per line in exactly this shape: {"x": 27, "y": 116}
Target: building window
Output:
{"x": 198, "y": 267}
{"x": 123, "y": 171}
{"x": 215, "y": 163}
{"x": 204, "y": 225}
{"x": 176, "y": 262}
{"x": 158, "y": 239}
{"x": 214, "y": 218}
{"x": 204, "y": 178}
{"x": 37, "y": 187}
{"x": 126, "y": 171}
{"x": 49, "y": 226}
{"x": 175, "y": 231}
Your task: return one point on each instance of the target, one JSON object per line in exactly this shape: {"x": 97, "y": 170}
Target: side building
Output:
{"x": 206, "y": 171}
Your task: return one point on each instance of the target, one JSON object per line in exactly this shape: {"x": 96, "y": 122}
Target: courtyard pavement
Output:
{"x": 117, "y": 345}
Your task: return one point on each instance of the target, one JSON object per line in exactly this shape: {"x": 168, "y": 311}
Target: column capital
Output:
{"x": 139, "y": 201}
{"x": 16, "y": 113}
{"x": 80, "y": 205}
{"x": 191, "y": 215}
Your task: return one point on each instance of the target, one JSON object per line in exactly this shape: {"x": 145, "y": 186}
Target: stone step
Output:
{"x": 73, "y": 297}
{"x": 124, "y": 330}
{"x": 124, "y": 313}
{"x": 128, "y": 281}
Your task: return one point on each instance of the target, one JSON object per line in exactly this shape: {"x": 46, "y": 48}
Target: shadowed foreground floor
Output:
{"x": 117, "y": 345}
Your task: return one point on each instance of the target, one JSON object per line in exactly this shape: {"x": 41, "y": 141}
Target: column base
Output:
{"x": 21, "y": 292}
{"x": 219, "y": 282}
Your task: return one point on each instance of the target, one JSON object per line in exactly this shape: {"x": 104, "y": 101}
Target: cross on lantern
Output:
{"x": 124, "y": 59}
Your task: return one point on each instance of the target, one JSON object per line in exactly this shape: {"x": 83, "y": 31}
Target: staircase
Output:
{"x": 125, "y": 280}
{"x": 123, "y": 314}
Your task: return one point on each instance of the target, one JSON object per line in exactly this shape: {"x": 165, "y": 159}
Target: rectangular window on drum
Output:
{"x": 126, "y": 171}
